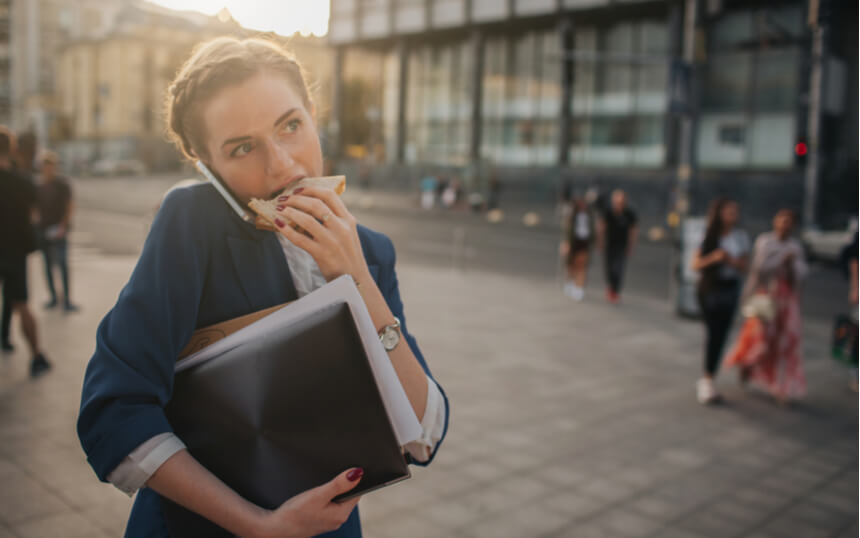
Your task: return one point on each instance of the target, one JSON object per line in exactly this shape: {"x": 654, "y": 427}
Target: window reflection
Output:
{"x": 750, "y": 89}
{"x": 619, "y": 94}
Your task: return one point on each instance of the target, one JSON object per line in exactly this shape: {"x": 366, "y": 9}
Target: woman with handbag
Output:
{"x": 768, "y": 350}
{"x": 722, "y": 261}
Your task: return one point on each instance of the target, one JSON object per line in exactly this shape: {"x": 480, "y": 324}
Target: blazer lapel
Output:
{"x": 262, "y": 271}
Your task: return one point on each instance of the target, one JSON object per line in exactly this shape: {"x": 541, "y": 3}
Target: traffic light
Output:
{"x": 801, "y": 150}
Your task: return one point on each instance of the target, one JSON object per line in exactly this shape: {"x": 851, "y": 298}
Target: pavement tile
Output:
{"x": 23, "y": 498}
{"x": 623, "y": 523}
{"x": 572, "y": 505}
{"x": 66, "y": 524}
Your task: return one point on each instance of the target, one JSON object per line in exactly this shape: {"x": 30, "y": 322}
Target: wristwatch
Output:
{"x": 390, "y": 335}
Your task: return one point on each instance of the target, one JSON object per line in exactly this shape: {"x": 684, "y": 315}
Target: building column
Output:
{"x": 403, "y": 98}
{"x": 335, "y": 137}
{"x": 565, "y": 31}
{"x": 477, "y": 93}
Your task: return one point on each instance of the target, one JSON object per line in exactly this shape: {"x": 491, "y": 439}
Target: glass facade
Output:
{"x": 619, "y": 99}
{"x": 371, "y": 86}
{"x": 439, "y": 104}
{"x": 521, "y": 99}
{"x": 750, "y": 89}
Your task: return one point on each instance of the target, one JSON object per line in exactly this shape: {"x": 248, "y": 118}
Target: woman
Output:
{"x": 722, "y": 260}
{"x": 579, "y": 236}
{"x": 243, "y": 108}
{"x": 768, "y": 350}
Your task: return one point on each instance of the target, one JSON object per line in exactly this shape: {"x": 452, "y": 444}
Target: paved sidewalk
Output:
{"x": 568, "y": 419}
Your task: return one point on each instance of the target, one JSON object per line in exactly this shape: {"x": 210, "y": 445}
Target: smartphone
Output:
{"x": 224, "y": 192}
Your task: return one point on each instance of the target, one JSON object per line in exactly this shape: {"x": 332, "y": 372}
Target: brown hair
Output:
{"x": 213, "y": 66}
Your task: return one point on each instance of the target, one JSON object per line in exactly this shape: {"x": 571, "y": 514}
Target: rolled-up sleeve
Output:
{"x": 129, "y": 378}
{"x": 391, "y": 292}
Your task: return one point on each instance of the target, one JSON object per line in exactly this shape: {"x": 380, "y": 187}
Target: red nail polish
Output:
{"x": 355, "y": 474}
{"x": 279, "y": 223}
{"x": 280, "y": 207}
{"x": 297, "y": 191}
{"x": 283, "y": 198}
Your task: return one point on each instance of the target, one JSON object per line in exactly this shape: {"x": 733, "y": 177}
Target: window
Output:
{"x": 371, "y": 86}
{"x": 439, "y": 104}
{"x": 750, "y": 90}
{"x": 522, "y": 99}
{"x": 619, "y": 94}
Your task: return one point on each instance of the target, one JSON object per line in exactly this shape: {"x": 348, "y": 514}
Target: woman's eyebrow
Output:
{"x": 284, "y": 116}
{"x": 235, "y": 140}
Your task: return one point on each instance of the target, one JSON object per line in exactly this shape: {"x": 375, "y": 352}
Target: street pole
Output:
{"x": 686, "y": 156}
{"x": 810, "y": 191}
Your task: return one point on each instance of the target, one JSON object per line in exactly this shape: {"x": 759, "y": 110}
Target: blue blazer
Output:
{"x": 200, "y": 265}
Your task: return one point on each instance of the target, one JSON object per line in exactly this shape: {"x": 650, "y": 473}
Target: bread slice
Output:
{"x": 267, "y": 212}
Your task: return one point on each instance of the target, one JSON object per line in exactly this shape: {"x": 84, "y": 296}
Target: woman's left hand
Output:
{"x": 333, "y": 241}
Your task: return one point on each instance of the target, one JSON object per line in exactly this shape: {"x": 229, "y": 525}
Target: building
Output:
{"x": 110, "y": 89}
{"x": 5, "y": 62}
{"x": 599, "y": 93}
{"x": 38, "y": 30}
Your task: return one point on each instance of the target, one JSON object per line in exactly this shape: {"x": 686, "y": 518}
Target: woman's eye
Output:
{"x": 241, "y": 150}
{"x": 292, "y": 125}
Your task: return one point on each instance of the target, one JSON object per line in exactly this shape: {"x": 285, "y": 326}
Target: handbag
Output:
{"x": 844, "y": 343}
{"x": 759, "y": 305}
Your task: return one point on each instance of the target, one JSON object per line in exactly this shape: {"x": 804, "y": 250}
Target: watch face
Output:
{"x": 390, "y": 338}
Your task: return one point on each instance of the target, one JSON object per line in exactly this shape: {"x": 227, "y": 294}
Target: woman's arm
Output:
{"x": 335, "y": 246}
{"x": 714, "y": 257}
{"x": 183, "y": 480}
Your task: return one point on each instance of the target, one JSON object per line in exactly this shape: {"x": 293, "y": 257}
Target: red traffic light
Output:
{"x": 801, "y": 149}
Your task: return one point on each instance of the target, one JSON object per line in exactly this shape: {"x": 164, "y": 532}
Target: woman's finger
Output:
{"x": 299, "y": 239}
{"x": 318, "y": 232}
{"x": 312, "y": 206}
{"x": 329, "y": 197}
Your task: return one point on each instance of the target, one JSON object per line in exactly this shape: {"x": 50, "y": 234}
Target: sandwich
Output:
{"x": 267, "y": 211}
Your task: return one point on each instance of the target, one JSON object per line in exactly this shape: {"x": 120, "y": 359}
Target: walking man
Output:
{"x": 617, "y": 232}
{"x": 55, "y": 213}
{"x": 17, "y": 203}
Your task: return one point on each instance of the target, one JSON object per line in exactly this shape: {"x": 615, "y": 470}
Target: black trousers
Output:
{"x": 718, "y": 305}
{"x": 616, "y": 259}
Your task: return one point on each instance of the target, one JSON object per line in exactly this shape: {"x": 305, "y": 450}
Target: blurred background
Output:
{"x": 464, "y": 128}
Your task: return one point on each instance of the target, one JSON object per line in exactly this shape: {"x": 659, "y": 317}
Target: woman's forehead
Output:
{"x": 249, "y": 107}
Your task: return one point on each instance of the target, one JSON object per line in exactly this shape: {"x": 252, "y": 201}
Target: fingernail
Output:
{"x": 280, "y": 207}
{"x": 283, "y": 198}
{"x": 355, "y": 474}
{"x": 297, "y": 191}
{"x": 279, "y": 223}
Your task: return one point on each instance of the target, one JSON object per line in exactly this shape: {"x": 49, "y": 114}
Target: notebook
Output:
{"x": 290, "y": 401}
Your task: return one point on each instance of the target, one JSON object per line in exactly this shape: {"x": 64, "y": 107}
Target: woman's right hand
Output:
{"x": 718, "y": 256}
{"x": 312, "y": 512}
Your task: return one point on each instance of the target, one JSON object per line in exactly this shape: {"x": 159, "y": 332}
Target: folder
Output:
{"x": 289, "y": 401}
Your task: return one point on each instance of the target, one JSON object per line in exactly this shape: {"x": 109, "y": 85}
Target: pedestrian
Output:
{"x": 722, "y": 261}
{"x": 17, "y": 240}
{"x": 576, "y": 247}
{"x": 845, "y": 346}
{"x": 428, "y": 191}
{"x": 23, "y": 161}
{"x": 243, "y": 108}
{"x": 768, "y": 350}
{"x": 55, "y": 214}
{"x": 616, "y": 236}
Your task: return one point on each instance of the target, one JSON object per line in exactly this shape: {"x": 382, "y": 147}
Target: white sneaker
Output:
{"x": 705, "y": 391}
{"x": 578, "y": 293}
{"x": 569, "y": 289}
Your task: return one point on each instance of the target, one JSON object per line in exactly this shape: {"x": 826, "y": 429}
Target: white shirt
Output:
{"x": 134, "y": 471}
{"x": 736, "y": 244}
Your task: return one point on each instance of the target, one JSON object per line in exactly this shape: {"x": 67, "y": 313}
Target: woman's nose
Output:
{"x": 280, "y": 159}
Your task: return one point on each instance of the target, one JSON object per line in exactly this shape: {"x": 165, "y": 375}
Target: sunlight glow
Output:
{"x": 284, "y": 17}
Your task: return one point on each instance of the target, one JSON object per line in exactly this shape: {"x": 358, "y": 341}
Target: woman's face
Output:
{"x": 260, "y": 137}
{"x": 783, "y": 223}
{"x": 729, "y": 214}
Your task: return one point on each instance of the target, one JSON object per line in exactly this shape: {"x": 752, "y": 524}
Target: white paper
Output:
{"x": 400, "y": 413}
